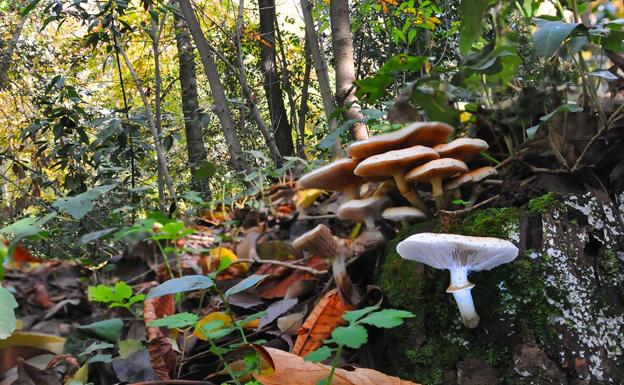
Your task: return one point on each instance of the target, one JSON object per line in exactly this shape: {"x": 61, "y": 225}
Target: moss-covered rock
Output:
{"x": 524, "y": 300}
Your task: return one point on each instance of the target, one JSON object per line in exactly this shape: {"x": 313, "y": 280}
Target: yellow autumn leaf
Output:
{"x": 435, "y": 20}
{"x": 465, "y": 116}
{"x": 220, "y": 253}
{"x": 305, "y": 198}
{"x": 38, "y": 340}
{"x": 214, "y": 316}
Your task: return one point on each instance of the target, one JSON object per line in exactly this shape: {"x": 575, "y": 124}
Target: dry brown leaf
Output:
{"x": 324, "y": 318}
{"x": 291, "y": 369}
{"x": 277, "y": 287}
{"x": 163, "y": 357}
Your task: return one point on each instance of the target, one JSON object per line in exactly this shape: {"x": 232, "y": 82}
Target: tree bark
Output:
{"x": 320, "y": 68}
{"x": 216, "y": 87}
{"x": 279, "y": 118}
{"x": 342, "y": 45}
{"x": 190, "y": 104}
{"x": 7, "y": 56}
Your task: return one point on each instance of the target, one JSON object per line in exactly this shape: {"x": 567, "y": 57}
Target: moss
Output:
{"x": 544, "y": 203}
{"x": 433, "y": 358}
{"x": 492, "y": 222}
{"x": 610, "y": 268}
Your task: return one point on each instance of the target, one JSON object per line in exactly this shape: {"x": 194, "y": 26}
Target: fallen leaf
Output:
{"x": 276, "y": 309}
{"x": 30, "y": 375}
{"x": 324, "y": 318}
{"x": 289, "y": 369}
{"x": 211, "y": 262}
{"x": 37, "y": 340}
{"x": 163, "y": 357}
{"x": 289, "y": 324}
{"x": 226, "y": 321}
{"x": 305, "y": 198}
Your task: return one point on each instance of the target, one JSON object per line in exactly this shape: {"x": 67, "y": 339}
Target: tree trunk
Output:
{"x": 218, "y": 94}
{"x": 6, "y": 57}
{"x": 279, "y": 119}
{"x": 320, "y": 67}
{"x": 190, "y": 105}
{"x": 342, "y": 44}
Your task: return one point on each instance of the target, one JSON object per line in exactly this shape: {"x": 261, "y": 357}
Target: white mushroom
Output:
{"x": 459, "y": 254}
{"x": 365, "y": 210}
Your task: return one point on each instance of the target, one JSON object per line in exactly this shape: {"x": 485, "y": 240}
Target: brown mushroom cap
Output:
{"x": 336, "y": 176}
{"x": 391, "y": 162}
{"x": 423, "y": 133}
{"x": 473, "y": 176}
{"x": 464, "y": 149}
{"x": 438, "y": 168}
{"x": 318, "y": 241}
{"x": 363, "y": 210}
{"x": 404, "y": 213}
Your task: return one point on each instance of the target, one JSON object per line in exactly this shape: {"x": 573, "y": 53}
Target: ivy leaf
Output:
{"x": 319, "y": 355}
{"x": 245, "y": 284}
{"x": 95, "y": 235}
{"x": 551, "y": 34}
{"x": 80, "y": 205}
{"x": 352, "y": 336}
{"x": 7, "y": 316}
{"x": 176, "y": 321}
{"x": 387, "y": 318}
{"x": 180, "y": 285}
{"x": 352, "y": 316}
{"x": 473, "y": 12}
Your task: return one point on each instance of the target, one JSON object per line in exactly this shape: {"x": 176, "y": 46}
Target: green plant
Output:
{"x": 354, "y": 335}
{"x": 120, "y": 295}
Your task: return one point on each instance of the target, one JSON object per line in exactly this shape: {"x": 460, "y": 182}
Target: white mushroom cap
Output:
{"x": 447, "y": 251}
{"x": 404, "y": 213}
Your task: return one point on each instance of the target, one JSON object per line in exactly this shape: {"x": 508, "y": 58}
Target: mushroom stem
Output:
{"x": 408, "y": 193}
{"x": 352, "y": 192}
{"x": 469, "y": 315}
{"x": 347, "y": 290}
{"x": 460, "y": 288}
{"x": 438, "y": 193}
{"x": 369, "y": 222}
{"x": 474, "y": 194}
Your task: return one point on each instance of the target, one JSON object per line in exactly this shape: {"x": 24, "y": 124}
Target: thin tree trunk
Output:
{"x": 303, "y": 109}
{"x": 190, "y": 104}
{"x": 320, "y": 67}
{"x": 242, "y": 78}
{"x": 216, "y": 87}
{"x": 160, "y": 154}
{"x": 279, "y": 119}
{"x": 342, "y": 44}
{"x": 7, "y": 56}
{"x": 158, "y": 104}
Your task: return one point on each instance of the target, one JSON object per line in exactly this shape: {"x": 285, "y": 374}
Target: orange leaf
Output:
{"x": 277, "y": 287}
{"x": 163, "y": 357}
{"x": 291, "y": 369}
{"x": 324, "y": 318}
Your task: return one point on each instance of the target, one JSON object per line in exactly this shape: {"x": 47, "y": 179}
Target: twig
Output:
{"x": 463, "y": 211}
{"x": 308, "y": 269}
{"x": 600, "y": 132}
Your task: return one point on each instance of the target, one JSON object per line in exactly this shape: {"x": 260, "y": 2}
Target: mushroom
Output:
{"x": 336, "y": 176}
{"x": 404, "y": 214}
{"x": 459, "y": 254}
{"x": 320, "y": 241}
{"x": 395, "y": 164}
{"x": 363, "y": 210}
{"x": 435, "y": 172}
{"x": 423, "y": 133}
{"x": 471, "y": 177}
{"x": 464, "y": 149}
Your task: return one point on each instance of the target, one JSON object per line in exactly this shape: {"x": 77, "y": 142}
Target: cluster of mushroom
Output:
{"x": 417, "y": 153}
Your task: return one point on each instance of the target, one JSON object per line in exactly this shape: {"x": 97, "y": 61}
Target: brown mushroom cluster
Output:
{"x": 416, "y": 155}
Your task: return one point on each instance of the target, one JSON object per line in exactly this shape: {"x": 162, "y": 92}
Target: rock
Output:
{"x": 473, "y": 371}
{"x": 532, "y": 363}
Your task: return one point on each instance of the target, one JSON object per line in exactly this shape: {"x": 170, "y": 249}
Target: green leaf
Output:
{"x": 354, "y": 315}
{"x": 551, "y": 34}
{"x": 206, "y": 170}
{"x": 103, "y": 293}
{"x": 387, "y": 318}
{"x": 7, "y": 316}
{"x": 80, "y": 205}
{"x": 107, "y": 330}
{"x": 180, "y": 285}
{"x": 129, "y": 347}
{"x": 28, "y": 8}
{"x": 97, "y": 345}
{"x": 473, "y": 14}
{"x": 568, "y": 107}
{"x": 319, "y": 355}
{"x": 245, "y": 284}
{"x": 176, "y": 321}
{"x": 95, "y": 235}
{"x": 352, "y": 336}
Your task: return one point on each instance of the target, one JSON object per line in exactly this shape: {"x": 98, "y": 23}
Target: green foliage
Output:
{"x": 7, "y": 316}
{"x": 181, "y": 285}
{"x": 473, "y": 16}
{"x": 545, "y": 203}
{"x": 176, "y": 321}
{"x": 120, "y": 295}
{"x": 550, "y": 35}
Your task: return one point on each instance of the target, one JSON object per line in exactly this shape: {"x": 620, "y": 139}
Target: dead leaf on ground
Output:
{"x": 292, "y": 369}
{"x": 163, "y": 357}
{"x": 324, "y": 318}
